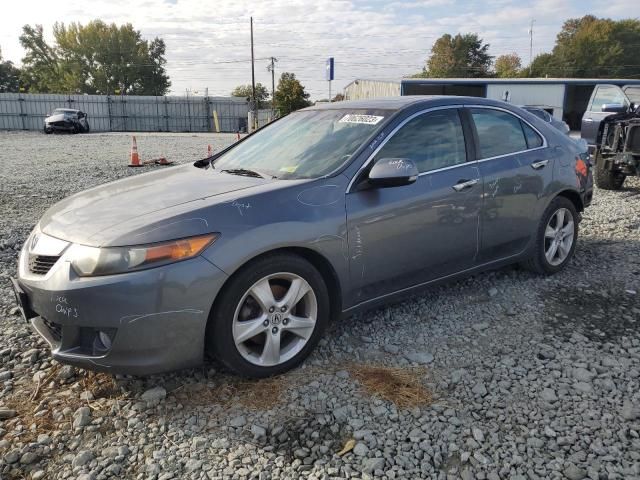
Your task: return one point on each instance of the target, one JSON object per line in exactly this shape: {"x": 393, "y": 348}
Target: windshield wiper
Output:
{"x": 245, "y": 172}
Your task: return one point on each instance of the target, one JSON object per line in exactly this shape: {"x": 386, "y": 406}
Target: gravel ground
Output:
{"x": 526, "y": 377}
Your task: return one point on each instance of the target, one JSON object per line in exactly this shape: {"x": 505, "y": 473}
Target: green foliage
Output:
{"x": 9, "y": 76}
{"x": 95, "y": 58}
{"x": 459, "y": 56}
{"x": 245, "y": 91}
{"x": 593, "y": 47}
{"x": 508, "y": 65}
{"x": 290, "y": 94}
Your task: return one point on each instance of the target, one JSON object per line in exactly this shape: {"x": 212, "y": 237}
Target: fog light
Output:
{"x": 105, "y": 339}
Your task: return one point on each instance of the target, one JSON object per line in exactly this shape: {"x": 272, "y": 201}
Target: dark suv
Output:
{"x": 68, "y": 120}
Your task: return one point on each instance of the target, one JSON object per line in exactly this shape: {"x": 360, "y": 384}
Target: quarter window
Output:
{"x": 433, "y": 140}
{"x": 499, "y": 133}
{"x": 533, "y": 139}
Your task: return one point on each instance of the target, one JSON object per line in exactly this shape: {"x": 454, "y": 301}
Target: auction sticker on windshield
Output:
{"x": 355, "y": 118}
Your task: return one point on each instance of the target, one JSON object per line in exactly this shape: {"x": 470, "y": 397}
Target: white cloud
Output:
{"x": 370, "y": 39}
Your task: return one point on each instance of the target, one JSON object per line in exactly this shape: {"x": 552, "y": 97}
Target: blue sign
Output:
{"x": 329, "y": 69}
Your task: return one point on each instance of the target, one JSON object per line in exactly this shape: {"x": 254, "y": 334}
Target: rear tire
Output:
{"x": 269, "y": 316}
{"x": 556, "y": 238}
{"x": 607, "y": 179}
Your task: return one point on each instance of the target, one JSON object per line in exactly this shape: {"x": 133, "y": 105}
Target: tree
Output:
{"x": 95, "y": 58}
{"x": 290, "y": 94}
{"x": 459, "y": 56}
{"x": 543, "y": 65}
{"x": 593, "y": 47}
{"x": 508, "y": 66}
{"x": 9, "y": 76}
{"x": 245, "y": 91}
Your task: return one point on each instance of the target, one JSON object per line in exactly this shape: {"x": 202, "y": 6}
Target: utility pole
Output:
{"x": 531, "y": 46}
{"x": 253, "y": 73}
{"x": 272, "y": 68}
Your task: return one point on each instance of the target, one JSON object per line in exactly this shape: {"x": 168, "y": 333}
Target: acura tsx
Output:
{"x": 248, "y": 254}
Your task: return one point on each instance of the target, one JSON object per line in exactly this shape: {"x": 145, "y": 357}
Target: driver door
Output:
{"x": 407, "y": 235}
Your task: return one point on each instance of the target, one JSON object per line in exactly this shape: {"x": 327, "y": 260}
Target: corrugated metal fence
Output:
{"x": 108, "y": 113}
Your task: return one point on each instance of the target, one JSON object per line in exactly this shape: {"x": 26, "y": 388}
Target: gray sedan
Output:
{"x": 247, "y": 255}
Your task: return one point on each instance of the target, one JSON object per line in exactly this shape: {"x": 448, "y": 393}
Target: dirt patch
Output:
{"x": 402, "y": 386}
{"x": 601, "y": 314}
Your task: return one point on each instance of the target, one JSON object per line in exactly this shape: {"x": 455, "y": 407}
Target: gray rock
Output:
{"x": 478, "y": 435}
{"x": 66, "y": 372}
{"x": 549, "y": 395}
{"x": 12, "y": 456}
{"x": 361, "y": 449}
{"x": 342, "y": 374}
{"x": 493, "y": 291}
{"x": 574, "y": 473}
{"x": 258, "y": 431}
{"x": 82, "y": 417}
{"x": 422, "y": 358}
{"x": 6, "y": 413}
{"x": 239, "y": 421}
{"x": 154, "y": 396}
{"x": 193, "y": 465}
{"x": 583, "y": 387}
{"x": 582, "y": 374}
{"x": 629, "y": 411}
{"x": 38, "y": 475}
{"x": 82, "y": 458}
{"x": 480, "y": 389}
{"x": 28, "y": 458}
{"x": 370, "y": 465}
{"x": 480, "y": 326}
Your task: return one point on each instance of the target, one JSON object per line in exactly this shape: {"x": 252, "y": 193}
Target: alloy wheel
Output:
{"x": 559, "y": 236}
{"x": 275, "y": 319}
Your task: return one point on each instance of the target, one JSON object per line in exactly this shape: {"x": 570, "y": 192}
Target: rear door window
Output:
{"x": 533, "y": 139}
{"x": 499, "y": 133}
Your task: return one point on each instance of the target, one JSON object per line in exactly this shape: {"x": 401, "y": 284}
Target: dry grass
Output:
{"x": 230, "y": 391}
{"x": 34, "y": 405}
{"x": 402, "y": 386}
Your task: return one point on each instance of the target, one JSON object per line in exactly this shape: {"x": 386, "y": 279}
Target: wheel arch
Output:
{"x": 572, "y": 196}
{"x": 319, "y": 261}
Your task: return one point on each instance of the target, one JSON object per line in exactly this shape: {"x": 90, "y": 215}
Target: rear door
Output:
{"x": 602, "y": 95}
{"x": 516, "y": 169}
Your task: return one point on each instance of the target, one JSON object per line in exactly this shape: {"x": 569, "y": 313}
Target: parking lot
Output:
{"x": 503, "y": 375}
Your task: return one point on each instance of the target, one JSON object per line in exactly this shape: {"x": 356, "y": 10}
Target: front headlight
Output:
{"x": 93, "y": 261}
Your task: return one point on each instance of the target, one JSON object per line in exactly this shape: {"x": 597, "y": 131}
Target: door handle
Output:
{"x": 539, "y": 164}
{"x": 462, "y": 184}
{"x": 588, "y": 120}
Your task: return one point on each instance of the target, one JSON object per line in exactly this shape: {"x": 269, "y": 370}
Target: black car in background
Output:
{"x": 542, "y": 113}
{"x": 68, "y": 120}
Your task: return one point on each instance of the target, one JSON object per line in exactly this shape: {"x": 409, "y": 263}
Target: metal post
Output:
{"x": 253, "y": 73}
{"x": 272, "y": 69}
{"x": 531, "y": 47}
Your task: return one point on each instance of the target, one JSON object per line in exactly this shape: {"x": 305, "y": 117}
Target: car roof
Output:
{"x": 402, "y": 102}
{"x": 67, "y": 109}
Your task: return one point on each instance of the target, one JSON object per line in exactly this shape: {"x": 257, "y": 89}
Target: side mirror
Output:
{"x": 614, "y": 108}
{"x": 393, "y": 172}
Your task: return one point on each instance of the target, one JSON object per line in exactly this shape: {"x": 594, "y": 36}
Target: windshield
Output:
{"x": 633, "y": 93}
{"x": 306, "y": 144}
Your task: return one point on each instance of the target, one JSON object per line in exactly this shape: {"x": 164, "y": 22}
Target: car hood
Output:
{"x": 55, "y": 118}
{"x": 99, "y": 216}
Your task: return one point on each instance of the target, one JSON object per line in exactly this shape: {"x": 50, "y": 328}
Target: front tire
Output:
{"x": 607, "y": 179}
{"x": 269, "y": 316}
{"x": 556, "y": 238}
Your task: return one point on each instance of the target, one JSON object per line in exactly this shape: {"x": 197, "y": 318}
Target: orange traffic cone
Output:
{"x": 134, "y": 158}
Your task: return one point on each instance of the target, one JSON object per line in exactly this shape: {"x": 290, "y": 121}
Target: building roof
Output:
{"x": 542, "y": 81}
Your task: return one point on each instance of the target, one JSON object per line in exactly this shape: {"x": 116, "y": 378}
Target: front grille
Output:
{"x": 55, "y": 329}
{"x": 41, "y": 264}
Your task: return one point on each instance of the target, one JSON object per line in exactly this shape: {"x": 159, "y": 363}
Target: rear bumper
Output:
{"x": 136, "y": 323}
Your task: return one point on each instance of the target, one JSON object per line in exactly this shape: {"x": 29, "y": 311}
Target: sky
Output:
{"x": 208, "y": 40}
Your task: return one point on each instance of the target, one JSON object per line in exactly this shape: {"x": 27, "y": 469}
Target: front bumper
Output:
{"x": 135, "y": 323}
